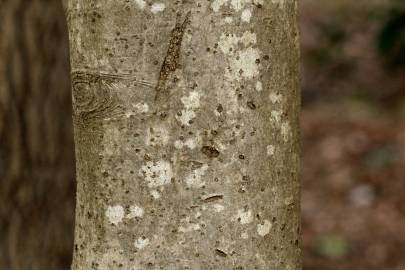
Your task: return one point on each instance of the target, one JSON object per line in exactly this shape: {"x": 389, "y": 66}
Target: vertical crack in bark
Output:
{"x": 171, "y": 61}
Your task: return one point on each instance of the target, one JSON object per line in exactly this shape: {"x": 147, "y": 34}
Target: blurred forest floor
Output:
{"x": 353, "y": 128}
{"x": 353, "y": 65}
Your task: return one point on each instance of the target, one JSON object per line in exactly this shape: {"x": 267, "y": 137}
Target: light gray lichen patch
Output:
{"x": 244, "y": 235}
{"x": 155, "y": 194}
{"x": 190, "y": 143}
{"x": 236, "y": 5}
{"x": 191, "y": 103}
{"x": 246, "y": 15}
{"x": 275, "y": 98}
{"x": 115, "y": 214}
{"x": 270, "y": 150}
{"x": 244, "y": 216}
{"x": 217, "y": 4}
{"x": 157, "y": 7}
{"x": 135, "y": 212}
{"x": 264, "y": 228}
{"x": 140, "y": 3}
{"x": 157, "y": 173}
{"x": 259, "y": 86}
{"x": 244, "y": 64}
{"x": 141, "y": 242}
{"x": 276, "y": 116}
{"x": 189, "y": 228}
{"x": 228, "y": 43}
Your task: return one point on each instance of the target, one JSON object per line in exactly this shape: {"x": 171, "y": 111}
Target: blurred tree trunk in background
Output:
{"x": 186, "y": 130}
{"x": 36, "y": 149}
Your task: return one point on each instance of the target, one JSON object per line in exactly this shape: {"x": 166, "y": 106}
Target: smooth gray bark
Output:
{"x": 186, "y": 130}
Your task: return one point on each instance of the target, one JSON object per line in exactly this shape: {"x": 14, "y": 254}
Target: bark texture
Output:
{"x": 36, "y": 137}
{"x": 186, "y": 130}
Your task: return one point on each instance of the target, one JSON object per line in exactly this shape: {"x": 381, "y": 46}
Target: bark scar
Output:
{"x": 171, "y": 61}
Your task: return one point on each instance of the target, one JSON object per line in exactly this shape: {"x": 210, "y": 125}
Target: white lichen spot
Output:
{"x": 157, "y": 7}
{"x": 259, "y": 86}
{"x": 189, "y": 228}
{"x": 191, "y": 103}
{"x": 129, "y": 114}
{"x": 275, "y": 98}
{"x": 228, "y": 42}
{"x": 218, "y": 207}
{"x": 141, "y": 242}
{"x": 264, "y": 228}
{"x": 194, "y": 179}
{"x": 228, "y": 20}
{"x": 217, "y": 4}
{"x": 141, "y": 107}
{"x": 244, "y": 65}
{"x": 190, "y": 143}
{"x": 270, "y": 150}
{"x": 155, "y": 194}
{"x": 244, "y": 216}
{"x": 276, "y": 115}
{"x": 141, "y": 3}
{"x": 115, "y": 214}
{"x": 286, "y": 131}
{"x": 157, "y": 173}
{"x": 246, "y": 15}
{"x": 248, "y": 38}
{"x": 135, "y": 212}
{"x": 185, "y": 117}
{"x": 239, "y": 4}
{"x": 244, "y": 235}
{"x": 178, "y": 144}
{"x": 235, "y": 4}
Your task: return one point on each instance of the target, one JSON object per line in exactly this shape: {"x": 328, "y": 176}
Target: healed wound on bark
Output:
{"x": 171, "y": 61}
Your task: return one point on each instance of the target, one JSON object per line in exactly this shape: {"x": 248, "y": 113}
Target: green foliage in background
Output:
{"x": 391, "y": 39}
{"x": 332, "y": 246}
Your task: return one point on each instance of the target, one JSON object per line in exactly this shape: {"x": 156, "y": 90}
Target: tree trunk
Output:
{"x": 186, "y": 131}
{"x": 36, "y": 137}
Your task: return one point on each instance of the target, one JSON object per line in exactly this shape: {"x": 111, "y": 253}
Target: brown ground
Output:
{"x": 353, "y": 204}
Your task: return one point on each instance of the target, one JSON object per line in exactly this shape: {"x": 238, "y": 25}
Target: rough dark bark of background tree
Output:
{"x": 36, "y": 148}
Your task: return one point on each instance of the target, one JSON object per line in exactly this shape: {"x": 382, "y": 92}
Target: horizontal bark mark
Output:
{"x": 93, "y": 98}
{"x": 95, "y": 95}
